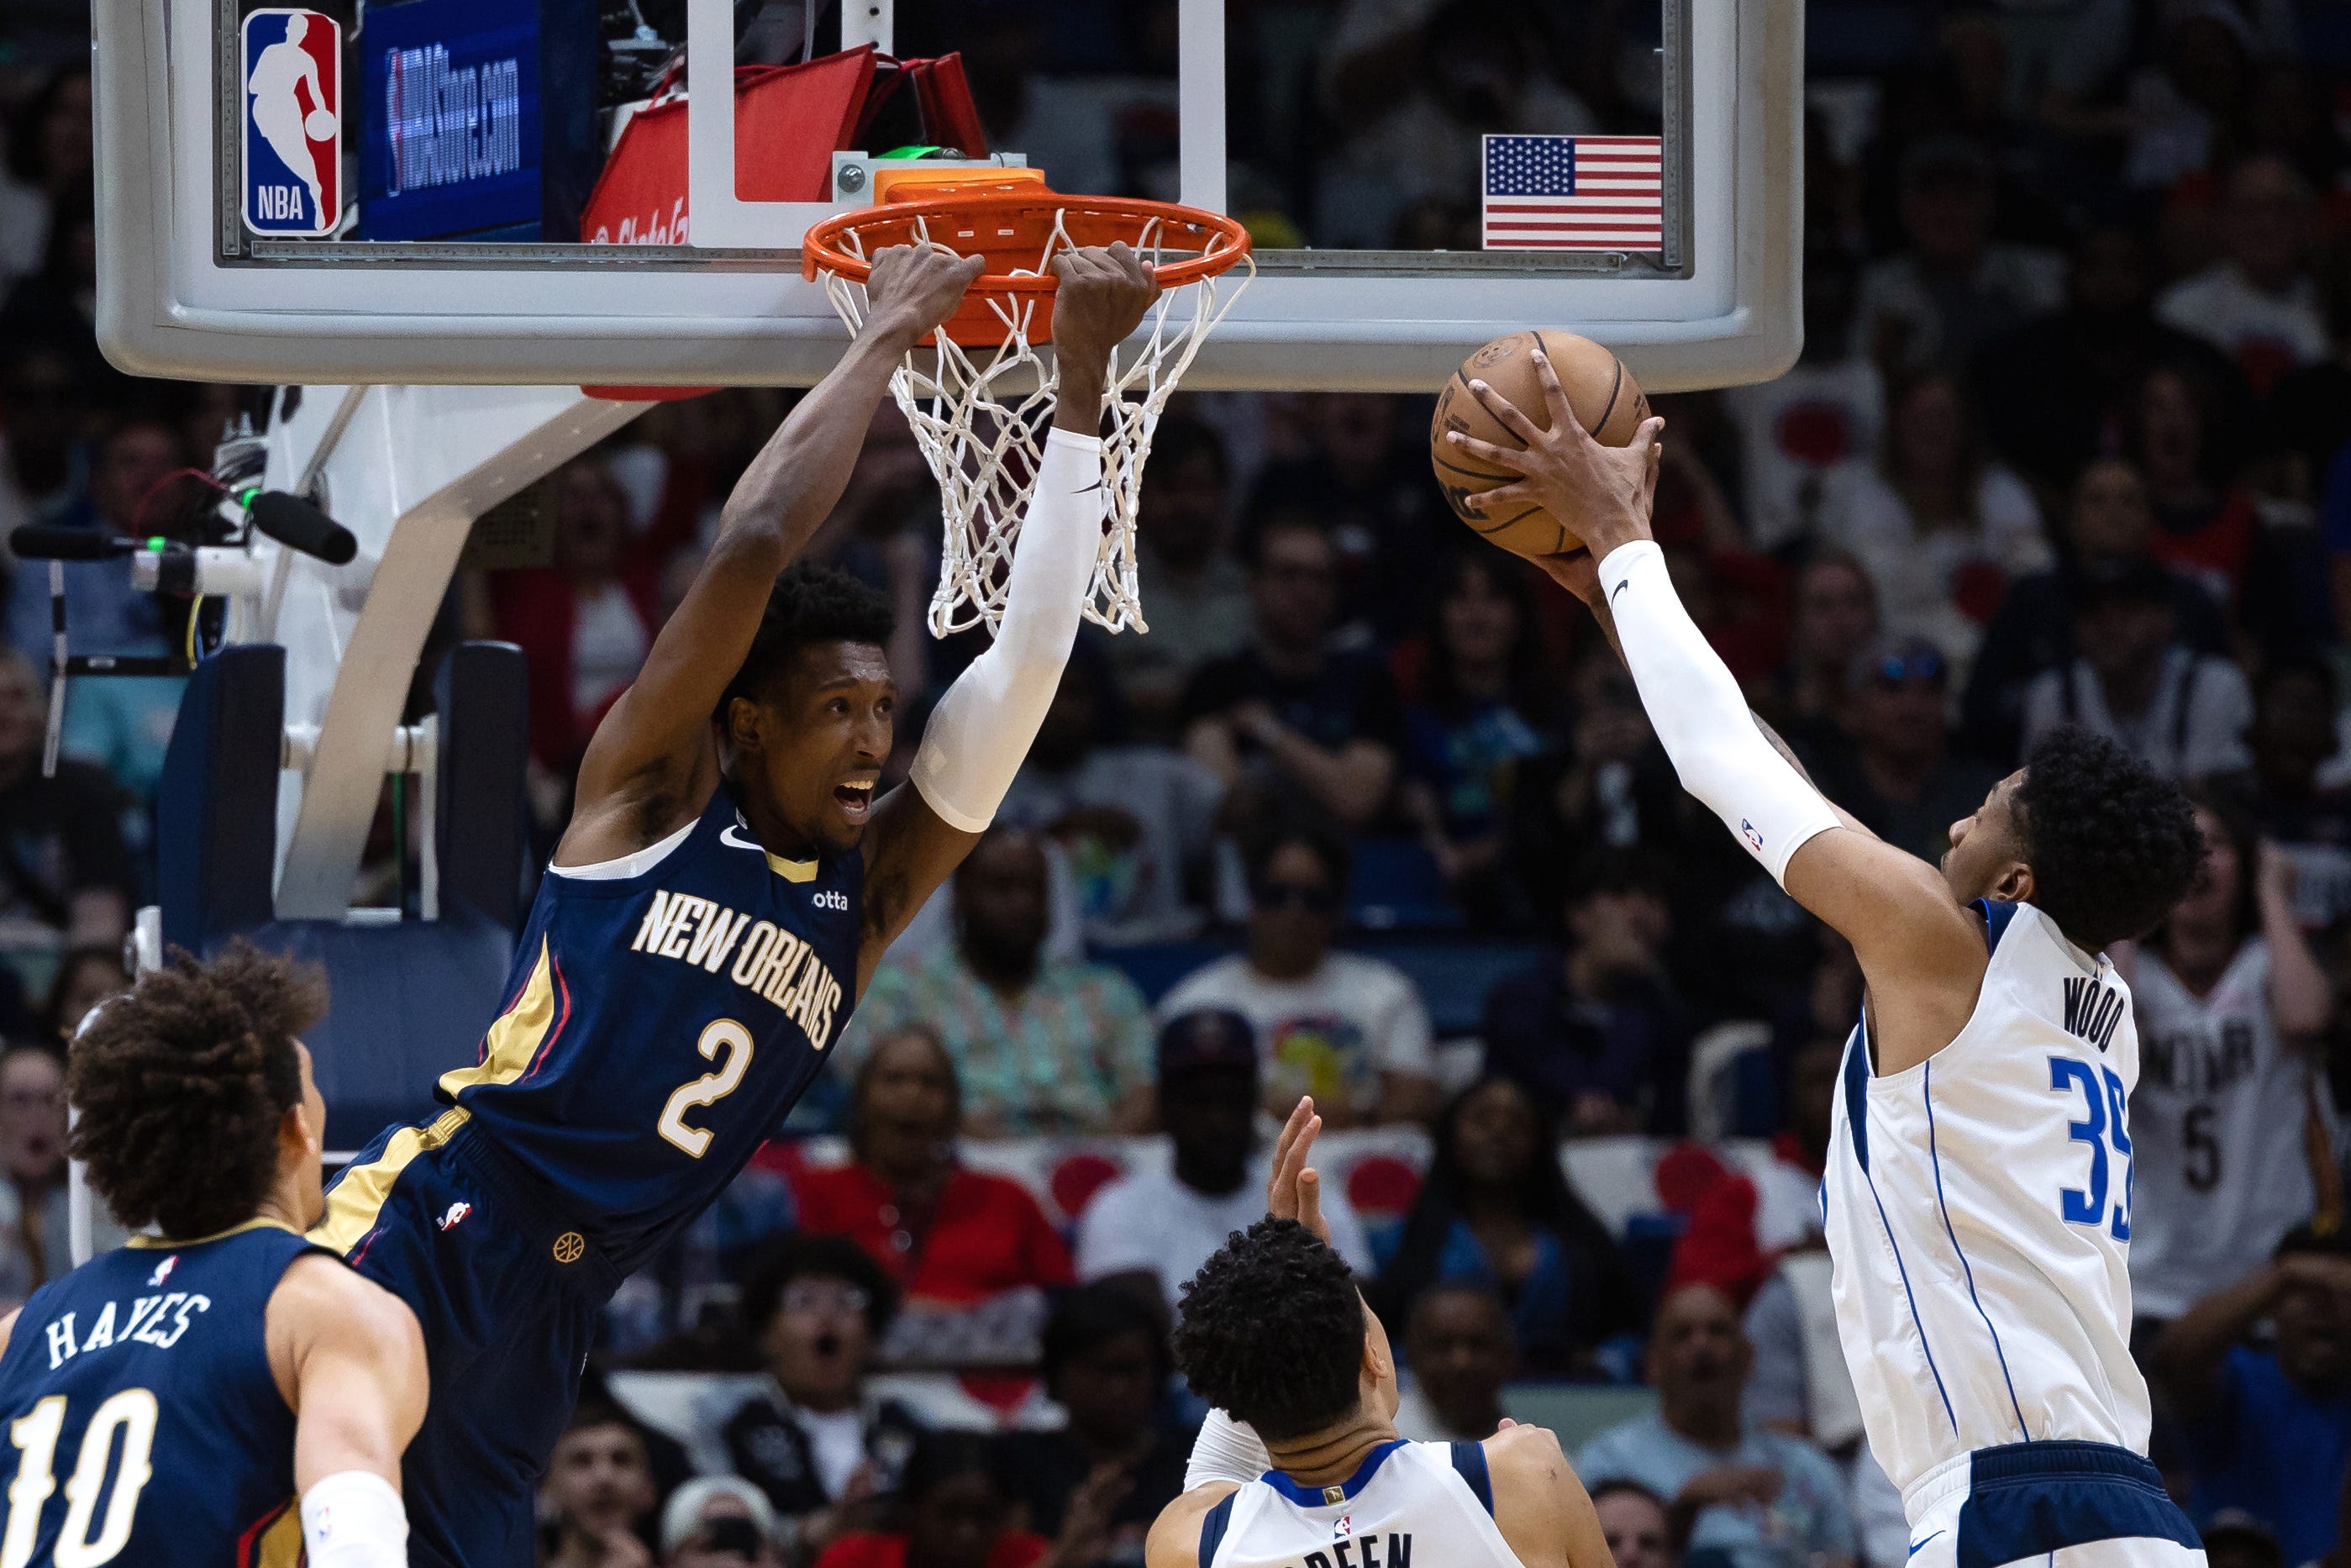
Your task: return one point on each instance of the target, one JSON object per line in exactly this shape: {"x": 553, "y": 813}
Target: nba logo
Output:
{"x": 293, "y": 87}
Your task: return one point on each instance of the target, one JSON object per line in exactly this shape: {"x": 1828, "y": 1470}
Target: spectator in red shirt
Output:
{"x": 957, "y": 1511}
{"x": 943, "y": 1233}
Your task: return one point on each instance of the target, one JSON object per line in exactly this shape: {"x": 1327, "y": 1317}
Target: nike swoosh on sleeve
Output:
{"x": 1916, "y": 1547}
{"x": 1619, "y": 589}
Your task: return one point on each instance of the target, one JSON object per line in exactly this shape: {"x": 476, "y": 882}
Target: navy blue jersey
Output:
{"x": 662, "y": 1022}
{"x": 147, "y": 1428}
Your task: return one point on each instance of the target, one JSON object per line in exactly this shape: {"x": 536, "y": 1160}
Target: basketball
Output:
{"x": 319, "y": 125}
{"x": 1601, "y": 390}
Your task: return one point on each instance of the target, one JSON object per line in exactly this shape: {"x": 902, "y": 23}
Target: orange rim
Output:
{"x": 1021, "y": 226}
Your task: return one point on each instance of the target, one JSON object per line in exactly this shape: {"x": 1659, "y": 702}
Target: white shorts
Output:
{"x": 2051, "y": 1505}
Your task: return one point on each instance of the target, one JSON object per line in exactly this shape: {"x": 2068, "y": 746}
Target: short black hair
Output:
{"x": 1178, "y": 438}
{"x": 1271, "y": 1330}
{"x": 1325, "y": 842}
{"x": 178, "y": 1086}
{"x": 812, "y": 1256}
{"x": 810, "y": 604}
{"x": 1093, "y": 1315}
{"x": 943, "y": 1453}
{"x": 1610, "y": 870}
{"x": 2113, "y": 843}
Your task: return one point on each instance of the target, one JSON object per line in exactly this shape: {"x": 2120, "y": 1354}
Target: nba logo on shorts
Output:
{"x": 293, "y": 85}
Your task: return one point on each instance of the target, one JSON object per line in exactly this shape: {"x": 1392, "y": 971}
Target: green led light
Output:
{"x": 244, "y": 497}
{"x": 158, "y": 542}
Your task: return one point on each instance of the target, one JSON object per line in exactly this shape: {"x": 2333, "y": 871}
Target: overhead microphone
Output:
{"x": 54, "y": 541}
{"x": 298, "y": 525}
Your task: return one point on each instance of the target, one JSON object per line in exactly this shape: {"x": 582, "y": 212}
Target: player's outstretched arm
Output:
{"x": 982, "y": 726}
{"x": 1923, "y": 954}
{"x": 654, "y": 760}
{"x": 1539, "y": 1503}
{"x": 349, "y": 1360}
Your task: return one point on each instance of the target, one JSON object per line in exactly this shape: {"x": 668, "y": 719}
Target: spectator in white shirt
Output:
{"x": 1157, "y": 1227}
{"x": 1348, "y": 1030}
{"x": 2132, "y": 682}
{"x": 2258, "y": 304}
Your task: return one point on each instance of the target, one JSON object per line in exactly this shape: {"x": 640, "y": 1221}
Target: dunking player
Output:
{"x": 721, "y": 896}
{"x": 1978, "y": 1189}
{"x": 223, "y": 1366}
{"x": 1273, "y": 1334}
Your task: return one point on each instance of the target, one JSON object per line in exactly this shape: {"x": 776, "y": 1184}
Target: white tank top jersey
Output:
{"x": 2218, "y": 1113}
{"x": 1408, "y": 1505}
{"x": 1978, "y": 1211}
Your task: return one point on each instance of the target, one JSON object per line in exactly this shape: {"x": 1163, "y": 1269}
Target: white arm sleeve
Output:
{"x": 1226, "y": 1451}
{"x": 980, "y": 730}
{"x": 1700, "y": 715}
{"x": 353, "y": 1519}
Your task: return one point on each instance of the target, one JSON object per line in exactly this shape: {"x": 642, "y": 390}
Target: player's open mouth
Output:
{"x": 855, "y": 798}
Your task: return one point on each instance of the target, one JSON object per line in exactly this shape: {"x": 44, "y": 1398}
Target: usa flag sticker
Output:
{"x": 293, "y": 91}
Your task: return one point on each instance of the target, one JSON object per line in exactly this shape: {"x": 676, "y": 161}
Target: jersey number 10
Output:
{"x": 130, "y": 1412}
{"x": 2103, "y": 1097}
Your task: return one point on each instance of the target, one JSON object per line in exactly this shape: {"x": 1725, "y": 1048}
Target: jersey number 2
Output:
{"x": 35, "y": 1434}
{"x": 724, "y": 1034}
{"x": 2103, "y": 1098}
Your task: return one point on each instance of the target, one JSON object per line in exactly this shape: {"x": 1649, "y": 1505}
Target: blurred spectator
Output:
{"x": 2135, "y": 682}
{"x": 1458, "y": 1345}
{"x": 1041, "y": 1044}
{"x": 49, "y": 162}
{"x": 1596, "y": 1028}
{"x": 1106, "y": 1363}
{"x": 943, "y": 1232}
{"x": 2054, "y": 392}
{"x": 1634, "y": 1524}
{"x": 2204, "y": 527}
{"x": 818, "y": 1442}
{"x": 675, "y": 1312}
{"x": 1199, "y": 607}
{"x": 598, "y": 1494}
{"x": 1896, "y": 774}
{"x": 957, "y": 1508}
{"x": 1414, "y": 86}
{"x": 1345, "y": 1028}
{"x": 1610, "y": 787}
{"x": 56, "y": 307}
{"x": 2258, "y": 304}
{"x": 1482, "y": 713}
{"x": 1758, "y": 1498}
{"x": 2229, "y": 1001}
{"x": 43, "y": 460}
{"x": 2235, "y": 1539}
{"x": 1154, "y": 1228}
{"x": 102, "y": 614}
{"x": 1361, "y": 473}
{"x": 1795, "y": 429}
{"x": 1495, "y": 1210}
{"x": 1787, "y": 1189}
{"x": 2293, "y": 736}
{"x": 85, "y": 977}
{"x": 64, "y": 874}
{"x": 2109, "y": 524}
{"x": 1941, "y": 528}
{"x": 1135, "y": 821}
{"x": 1954, "y": 287}
{"x": 2269, "y": 1429}
{"x": 1292, "y": 718}
{"x": 585, "y": 622}
{"x": 718, "y": 1522}
{"x": 1836, "y": 610}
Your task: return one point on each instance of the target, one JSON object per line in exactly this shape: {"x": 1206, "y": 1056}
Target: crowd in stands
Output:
{"x": 1372, "y": 813}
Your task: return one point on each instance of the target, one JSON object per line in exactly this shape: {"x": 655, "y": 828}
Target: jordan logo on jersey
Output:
{"x": 2092, "y": 1010}
{"x": 768, "y": 959}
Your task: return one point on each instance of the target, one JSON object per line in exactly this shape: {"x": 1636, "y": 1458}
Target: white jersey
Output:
{"x": 1979, "y": 1212}
{"x": 1409, "y": 1505}
{"x": 2218, "y": 1113}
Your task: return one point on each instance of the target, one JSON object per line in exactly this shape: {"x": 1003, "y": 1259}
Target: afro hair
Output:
{"x": 178, "y": 1087}
{"x": 1271, "y": 1330}
{"x": 810, "y": 605}
{"x": 2113, "y": 843}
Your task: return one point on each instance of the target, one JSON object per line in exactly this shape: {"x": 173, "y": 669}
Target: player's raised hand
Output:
{"x": 1294, "y": 1190}
{"x": 1103, "y": 294}
{"x": 914, "y": 288}
{"x": 1603, "y": 492}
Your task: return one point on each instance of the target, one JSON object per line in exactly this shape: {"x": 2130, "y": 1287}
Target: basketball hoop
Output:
{"x": 980, "y": 397}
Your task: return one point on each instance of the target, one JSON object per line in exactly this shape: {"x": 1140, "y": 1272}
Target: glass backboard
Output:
{"x": 556, "y": 191}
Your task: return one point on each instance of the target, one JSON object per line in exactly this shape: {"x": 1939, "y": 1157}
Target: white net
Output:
{"x": 981, "y": 420}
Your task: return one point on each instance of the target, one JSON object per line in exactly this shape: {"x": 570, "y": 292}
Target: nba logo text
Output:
{"x": 293, "y": 122}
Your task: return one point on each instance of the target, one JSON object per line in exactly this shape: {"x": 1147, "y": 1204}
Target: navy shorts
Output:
{"x": 507, "y": 1292}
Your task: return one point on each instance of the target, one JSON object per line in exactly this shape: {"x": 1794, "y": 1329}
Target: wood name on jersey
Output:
{"x": 2092, "y": 1010}
{"x": 772, "y": 962}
